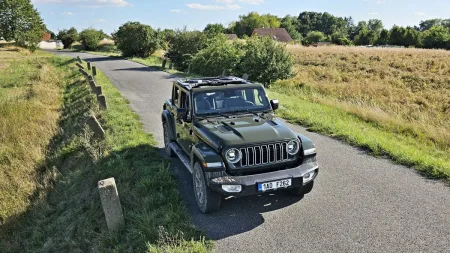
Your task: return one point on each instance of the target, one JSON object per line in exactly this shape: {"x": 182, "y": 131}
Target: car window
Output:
{"x": 175, "y": 96}
{"x": 230, "y": 100}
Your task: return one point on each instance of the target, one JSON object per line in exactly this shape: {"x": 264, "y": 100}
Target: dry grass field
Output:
{"x": 405, "y": 92}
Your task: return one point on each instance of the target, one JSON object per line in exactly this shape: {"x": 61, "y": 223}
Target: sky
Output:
{"x": 196, "y": 14}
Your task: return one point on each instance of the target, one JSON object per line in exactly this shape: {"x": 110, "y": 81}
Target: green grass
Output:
{"x": 65, "y": 214}
{"x": 305, "y": 108}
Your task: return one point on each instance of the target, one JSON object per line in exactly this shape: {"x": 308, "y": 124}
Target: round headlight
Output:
{"x": 233, "y": 155}
{"x": 293, "y": 147}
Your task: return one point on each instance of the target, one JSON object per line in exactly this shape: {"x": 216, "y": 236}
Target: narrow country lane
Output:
{"x": 359, "y": 204}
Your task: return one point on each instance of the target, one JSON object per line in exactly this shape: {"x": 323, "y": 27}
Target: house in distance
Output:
{"x": 278, "y": 34}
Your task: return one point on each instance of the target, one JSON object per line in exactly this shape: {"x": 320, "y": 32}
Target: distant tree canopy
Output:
{"x": 136, "y": 39}
{"x": 247, "y": 23}
{"x": 214, "y": 29}
{"x": 68, "y": 37}
{"x": 91, "y": 37}
{"x": 21, "y": 22}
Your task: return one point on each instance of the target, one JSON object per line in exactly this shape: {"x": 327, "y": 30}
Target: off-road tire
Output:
{"x": 167, "y": 149}
{"x": 208, "y": 201}
{"x": 300, "y": 191}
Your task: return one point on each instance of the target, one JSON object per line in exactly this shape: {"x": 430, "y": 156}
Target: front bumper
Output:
{"x": 250, "y": 183}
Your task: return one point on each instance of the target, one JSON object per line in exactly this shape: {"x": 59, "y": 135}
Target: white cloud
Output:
{"x": 88, "y": 3}
{"x": 419, "y": 13}
{"x": 101, "y": 20}
{"x": 175, "y": 10}
{"x": 381, "y": 2}
{"x": 67, "y": 13}
{"x": 241, "y": 1}
{"x": 373, "y": 13}
{"x": 213, "y": 7}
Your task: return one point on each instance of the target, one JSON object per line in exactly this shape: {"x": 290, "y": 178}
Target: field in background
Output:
{"x": 50, "y": 166}
{"x": 404, "y": 92}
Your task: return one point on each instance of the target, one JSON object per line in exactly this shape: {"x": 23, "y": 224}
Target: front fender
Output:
{"x": 167, "y": 117}
{"x": 208, "y": 157}
{"x": 308, "y": 147}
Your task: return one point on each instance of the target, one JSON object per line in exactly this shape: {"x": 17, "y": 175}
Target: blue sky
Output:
{"x": 195, "y": 14}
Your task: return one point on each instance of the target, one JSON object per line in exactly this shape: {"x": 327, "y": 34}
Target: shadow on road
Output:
{"x": 236, "y": 215}
{"x": 144, "y": 69}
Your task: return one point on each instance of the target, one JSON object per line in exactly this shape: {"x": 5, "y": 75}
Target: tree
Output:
{"x": 383, "y": 39}
{"x": 436, "y": 37}
{"x": 136, "y": 39}
{"x": 375, "y": 25}
{"x": 314, "y": 37}
{"x": 214, "y": 29}
{"x": 166, "y": 37}
{"x": 52, "y": 35}
{"x": 322, "y": 22}
{"x": 366, "y": 37}
{"x": 68, "y": 37}
{"x": 184, "y": 46}
{"x": 266, "y": 61}
{"x": 218, "y": 56}
{"x": 290, "y": 23}
{"x": 362, "y": 25}
{"x": 91, "y": 37}
{"x": 412, "y": 37}
{"x": 427, "y": 24}
{"x": 21, "y": 22}
{"x": 340, "y": 39}
{"x": 247, "y": 23}
{"x": 397, "y": 35}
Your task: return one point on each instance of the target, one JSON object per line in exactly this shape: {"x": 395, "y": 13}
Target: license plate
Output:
{"x": 274, "y": 185}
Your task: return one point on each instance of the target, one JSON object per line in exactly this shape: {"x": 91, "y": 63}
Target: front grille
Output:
{"x": 264, "y": 154}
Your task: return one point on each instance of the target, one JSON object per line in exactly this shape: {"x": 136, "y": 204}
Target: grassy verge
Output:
{"x": 304, "y": 108}
{"x": 65, "y": 214}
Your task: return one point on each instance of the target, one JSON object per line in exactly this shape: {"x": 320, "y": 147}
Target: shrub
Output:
{"x": 136, "y": 39}
{"x": 266, "y": 61}
{"x": 314, "y": 37}
{"x": 436, "y": 37}
{"x": 90, "y": 38}
{"x": 184, "y": 46}
{"x": 218, "y": 56}
{"x": 340, "y": 39}
{"x": 68, "y": 37}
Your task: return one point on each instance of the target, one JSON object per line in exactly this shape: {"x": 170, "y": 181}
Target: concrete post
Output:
{"x": 111, "y": 204}
{"x": 92, "y": 83}
{"x": 102, "y": 102}
{"x": 245, "y": 77}
{"x": 94, "y": 71}
{"x": 224, "y": 72}
{"x": 98, "y": 90}
{"x": 89, "y": 65}
{"x": 95, "y": 126}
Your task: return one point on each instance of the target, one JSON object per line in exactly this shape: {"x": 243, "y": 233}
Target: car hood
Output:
{"x": 243, "y": 131}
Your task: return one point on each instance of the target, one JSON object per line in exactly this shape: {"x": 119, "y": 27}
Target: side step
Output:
{"x": 183, "y": 157}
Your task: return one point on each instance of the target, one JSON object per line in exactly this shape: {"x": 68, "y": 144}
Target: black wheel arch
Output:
{"x": 167, "y": 117}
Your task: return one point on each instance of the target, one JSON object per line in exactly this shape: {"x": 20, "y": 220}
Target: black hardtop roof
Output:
{"x": 211, "y": 82}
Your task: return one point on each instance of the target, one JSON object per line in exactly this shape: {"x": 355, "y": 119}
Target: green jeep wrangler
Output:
{"x": 225, "y": 132}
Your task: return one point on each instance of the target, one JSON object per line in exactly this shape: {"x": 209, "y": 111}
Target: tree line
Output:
{"x": 312, "y": 27}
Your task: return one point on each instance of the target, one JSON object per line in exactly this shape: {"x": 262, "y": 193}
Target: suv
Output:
{"x": 225, "y": 132}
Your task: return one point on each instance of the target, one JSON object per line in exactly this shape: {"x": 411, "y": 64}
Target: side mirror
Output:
{"x": 275, "y": 104}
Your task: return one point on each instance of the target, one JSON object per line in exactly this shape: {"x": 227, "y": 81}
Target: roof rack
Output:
{"x": 212, "y": 81}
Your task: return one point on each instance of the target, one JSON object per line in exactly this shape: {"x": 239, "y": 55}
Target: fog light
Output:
{"x": 232, "y": 188}
{"x": 308, "y": 176}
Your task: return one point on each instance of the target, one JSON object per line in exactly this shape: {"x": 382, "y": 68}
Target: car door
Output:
{"x": 184, "y": 126}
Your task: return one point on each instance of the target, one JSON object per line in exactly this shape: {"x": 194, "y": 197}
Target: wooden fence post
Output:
{"x": 98, "y": 90}
{"x": 95, "y": 126}
{"x": 111, "y": 204}
{"x": 79, "y": 59}
{"x": 164, "y": 63}
{"x": 94, "y": 70}
{"x": 89, "y": 65}
{"x": 79, "y": 65}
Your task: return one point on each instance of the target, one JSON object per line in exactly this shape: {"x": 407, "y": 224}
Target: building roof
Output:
{"x": 279, "y": 34}
{"x": 231, "y": 36}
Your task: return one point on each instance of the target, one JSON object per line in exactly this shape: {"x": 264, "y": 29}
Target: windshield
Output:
{"x": 230, "y": 100}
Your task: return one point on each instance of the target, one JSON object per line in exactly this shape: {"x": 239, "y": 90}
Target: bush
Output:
{"x": 90, "y": 38}
{"x": 314, "y": 37}
{"x": 136, "y": 39}
{"x": 218, "y": 56}
{"x": 340, "y": 39}
{"x": 436, "y": 37}
{"x": 266, "y": 61}
{"x": 184, "y": 46}
{"x": 68, "y": 37}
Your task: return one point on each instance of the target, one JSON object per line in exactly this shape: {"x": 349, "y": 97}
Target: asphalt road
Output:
{"x": 359, "y": 204}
